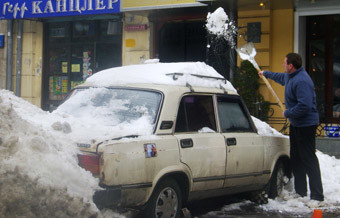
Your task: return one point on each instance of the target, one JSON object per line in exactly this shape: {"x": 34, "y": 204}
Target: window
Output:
{"x": 112, "y": 106}
{"x": 233, "y": 117}
{"x": 74, "y": 51}
{"x": 195, "y": 112}
{"x": 323, "y": 61}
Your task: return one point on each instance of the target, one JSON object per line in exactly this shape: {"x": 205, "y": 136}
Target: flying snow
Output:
{"x": 219, "y": 24}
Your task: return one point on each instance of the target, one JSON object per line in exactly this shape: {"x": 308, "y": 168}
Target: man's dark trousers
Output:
{"x": 304, "y": 161}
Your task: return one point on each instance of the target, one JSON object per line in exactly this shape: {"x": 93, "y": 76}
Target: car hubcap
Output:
{"x": 167, "y": 203}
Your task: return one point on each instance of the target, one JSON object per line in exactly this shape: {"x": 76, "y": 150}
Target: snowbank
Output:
{"x": 39, "y": 174}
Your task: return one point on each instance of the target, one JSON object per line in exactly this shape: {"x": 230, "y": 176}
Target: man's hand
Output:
{"x": 260, "y": 73}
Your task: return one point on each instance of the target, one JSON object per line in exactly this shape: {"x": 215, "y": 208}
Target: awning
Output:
{"x": 133, "y": 5}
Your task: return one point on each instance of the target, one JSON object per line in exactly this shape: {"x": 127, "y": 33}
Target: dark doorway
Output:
{"x": 182, "y": 41}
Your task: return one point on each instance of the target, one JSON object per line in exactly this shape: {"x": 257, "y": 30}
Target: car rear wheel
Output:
{"x": 166, "y": 201}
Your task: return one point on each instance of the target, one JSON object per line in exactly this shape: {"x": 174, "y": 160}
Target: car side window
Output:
{"x": 232, "y": 114}
{"x": 195, "y": 112}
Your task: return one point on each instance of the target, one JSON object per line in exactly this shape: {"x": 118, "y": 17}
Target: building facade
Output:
{"x": 51, "y": 46}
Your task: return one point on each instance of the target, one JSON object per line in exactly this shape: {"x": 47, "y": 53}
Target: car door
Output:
{"x": 245, "y": 150}
{"x": 202, "y": 148}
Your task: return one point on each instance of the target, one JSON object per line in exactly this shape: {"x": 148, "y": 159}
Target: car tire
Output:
{"x": 277, "y": 181}
{"x": 165, "y": 201}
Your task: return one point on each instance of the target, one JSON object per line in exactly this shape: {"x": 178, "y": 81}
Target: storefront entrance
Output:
{"x": 323, "y": 64}
{"x": 75, "y": 50}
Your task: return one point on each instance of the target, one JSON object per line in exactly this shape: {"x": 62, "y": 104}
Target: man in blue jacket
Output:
{"x": 300, "y": 99}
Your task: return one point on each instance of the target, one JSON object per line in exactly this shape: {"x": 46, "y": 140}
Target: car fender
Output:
{"x": 177, "y": 172}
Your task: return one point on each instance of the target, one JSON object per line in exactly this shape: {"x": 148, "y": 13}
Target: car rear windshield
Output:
{"x": 112, "y": 106}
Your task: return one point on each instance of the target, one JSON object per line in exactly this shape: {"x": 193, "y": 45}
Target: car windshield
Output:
{"x": 112, "y": 106}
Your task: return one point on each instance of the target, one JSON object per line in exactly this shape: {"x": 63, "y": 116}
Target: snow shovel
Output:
{"x": 248, "y": 52}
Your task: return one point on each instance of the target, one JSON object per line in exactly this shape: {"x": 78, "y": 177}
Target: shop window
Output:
{"x": 83, "y": 29}
{"x": 317, "y": 71}
{"x": 323, "y": 64}
{"x": 336, "y": 24}
{"x": 58, "y": 32}
{"x": 58, "y": 71}
{"x": 110, "y": 28}
{"x": 75, "y": 51}
{"x": 318, "y": 27}
{"x": 336, "y": 79}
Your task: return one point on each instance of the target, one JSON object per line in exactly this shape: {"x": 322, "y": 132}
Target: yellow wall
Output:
{"x": 277, "y": 30}
{"x": 31, "y": 67}
{"x": 136, "y": 44}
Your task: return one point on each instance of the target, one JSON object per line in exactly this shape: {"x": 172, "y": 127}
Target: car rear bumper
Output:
{"x": 107, "y": 197}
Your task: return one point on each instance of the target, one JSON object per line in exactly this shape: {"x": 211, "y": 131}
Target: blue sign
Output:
{"x": 2, "y": 40}
{"x": 21, "y": 9}
{"x": 332, "y": 131}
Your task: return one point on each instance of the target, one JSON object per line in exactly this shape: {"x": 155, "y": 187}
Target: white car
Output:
{"x": 202, "y": 140}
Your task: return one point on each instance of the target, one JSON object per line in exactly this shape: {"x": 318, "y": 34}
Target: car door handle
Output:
{"x": 231, "y": 141}
{"x": 186, "y": 143}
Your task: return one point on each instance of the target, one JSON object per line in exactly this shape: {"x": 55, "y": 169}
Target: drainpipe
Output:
{"x": 19, "y": 57}
{"x": 9, "y": 55}
{"x": 233, "y": 12}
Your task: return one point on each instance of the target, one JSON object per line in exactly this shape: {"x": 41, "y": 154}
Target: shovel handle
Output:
{"x": 272, "y": 91}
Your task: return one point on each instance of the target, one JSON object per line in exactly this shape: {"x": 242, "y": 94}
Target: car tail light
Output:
{"x": 89, "y": 162}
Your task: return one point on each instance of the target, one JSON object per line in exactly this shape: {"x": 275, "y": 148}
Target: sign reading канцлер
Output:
{"x": 21, "y": 9}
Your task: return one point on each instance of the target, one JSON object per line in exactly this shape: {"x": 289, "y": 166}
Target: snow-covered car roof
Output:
{"x": 175, "y": 74}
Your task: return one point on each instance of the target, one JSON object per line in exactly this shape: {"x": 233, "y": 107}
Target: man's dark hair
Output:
{"x": 295, "y": 59}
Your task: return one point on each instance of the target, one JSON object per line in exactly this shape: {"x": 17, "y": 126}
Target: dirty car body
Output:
{"x": 202, "y": 143}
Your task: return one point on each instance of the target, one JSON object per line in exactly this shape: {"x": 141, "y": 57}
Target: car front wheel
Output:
{"x": 166, "y": 201}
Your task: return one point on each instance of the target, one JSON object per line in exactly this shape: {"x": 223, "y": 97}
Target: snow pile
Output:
{"x": 218, "y": 24}
{"x": 289, "y": 205}
{"x": 39, "y": 174}
{"x": 156, "y": 73}
{"x": 330, "y": 174}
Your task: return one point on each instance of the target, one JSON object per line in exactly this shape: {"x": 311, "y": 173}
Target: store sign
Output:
{"x": 136, "y": 27}
{"x": 21, "y": 9}
{"x": 130, "y": 5}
